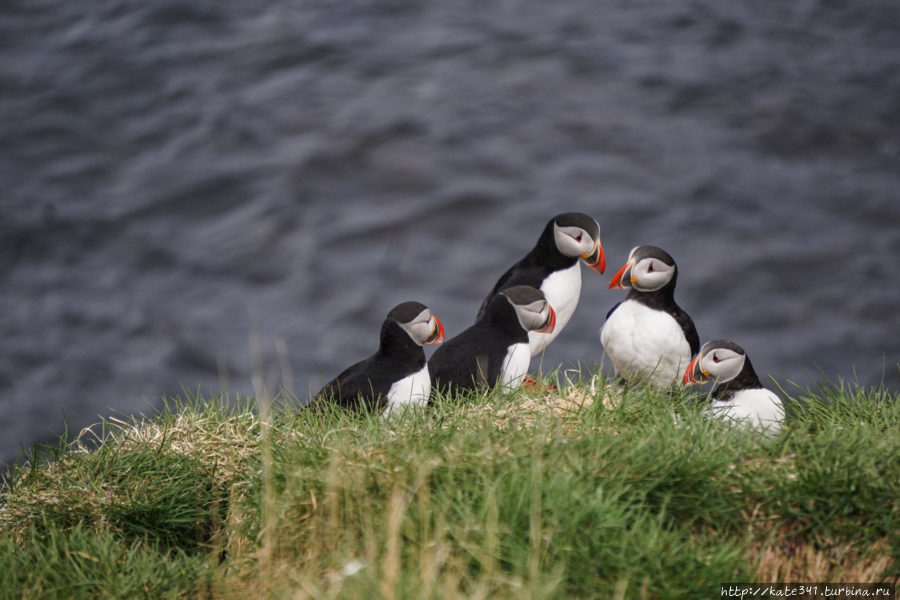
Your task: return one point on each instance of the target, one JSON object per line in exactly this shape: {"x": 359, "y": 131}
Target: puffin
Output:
{"x": 737, "y": 395}
{"x": 495, "y": 350}
{"x": 648, "y": 336}
{"x": 552, "y": 267}
{"x": 397, "y": 374}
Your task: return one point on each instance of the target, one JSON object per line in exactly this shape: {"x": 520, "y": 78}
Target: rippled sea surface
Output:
{"x": 177, "y": 178}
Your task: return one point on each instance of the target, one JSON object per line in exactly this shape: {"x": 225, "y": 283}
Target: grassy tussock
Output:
{"x": 584, "y": 491}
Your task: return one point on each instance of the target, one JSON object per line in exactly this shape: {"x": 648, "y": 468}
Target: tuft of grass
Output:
{"x": 83, "y": 562}
{"x": 587, "y": 490}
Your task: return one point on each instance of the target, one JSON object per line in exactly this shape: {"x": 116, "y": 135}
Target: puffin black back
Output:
{"x": 542, "y": 260}
{"x": 366, "y": 383}
{"x": 474, "y": 358}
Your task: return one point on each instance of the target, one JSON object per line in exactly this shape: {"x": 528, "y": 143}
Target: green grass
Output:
{"x": 570, "y": 494}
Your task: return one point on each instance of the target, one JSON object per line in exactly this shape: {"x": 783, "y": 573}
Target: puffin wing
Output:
{"x": 464, "y": 362}
{"x": 471, "y": 360}
{"x": 690, "y": 331}
{"x": 453, "y": 365}
{"x": 350, "y": 385}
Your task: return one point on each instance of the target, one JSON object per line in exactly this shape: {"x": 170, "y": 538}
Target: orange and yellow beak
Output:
{"x": 437, "y": 336}
{"x": 551, "y": 322}
{"x": 694, "y": 374}
{"x": 622, "y": 279}
{"x": 596, "y": 259}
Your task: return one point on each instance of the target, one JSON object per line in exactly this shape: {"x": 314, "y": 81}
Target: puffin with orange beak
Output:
{"x": 552, "y": 267}
{"x": 647, "y": 336}
{"x": 494, "y": 351}
{"x": 737, "y": 394}
{"x": 397, "y": 374}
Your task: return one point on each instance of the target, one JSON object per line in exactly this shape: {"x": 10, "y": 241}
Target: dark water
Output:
{"x": 175, "y": 176}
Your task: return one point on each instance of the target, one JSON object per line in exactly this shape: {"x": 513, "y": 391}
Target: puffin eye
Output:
{"x": 650, "y": 268}
{"x": 716, "y": 358}
{"x": 578, "y": 238}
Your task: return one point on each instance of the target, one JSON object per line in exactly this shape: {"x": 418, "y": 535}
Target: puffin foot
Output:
{"x": 533, "y": 385}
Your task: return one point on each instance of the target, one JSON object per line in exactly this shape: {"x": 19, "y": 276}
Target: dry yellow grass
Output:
{"x": 804, "y": 562}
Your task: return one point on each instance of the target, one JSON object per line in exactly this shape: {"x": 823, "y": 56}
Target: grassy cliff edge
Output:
{"x": 588, "y": 491}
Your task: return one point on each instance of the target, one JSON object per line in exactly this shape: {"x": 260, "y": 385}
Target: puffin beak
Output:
{"x": 437, "y": 336}
{"x": 596, "y": 260}
{"x": 622, "y": 278}
{"x": 551, "y": 322}
{"x": 693, "y": 374}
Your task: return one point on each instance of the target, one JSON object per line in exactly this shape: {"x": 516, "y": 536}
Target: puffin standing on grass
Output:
{"x": 648, "y": 336}
{"x": 737, "y": 395}
{"x": 397, "y": 374}
{"x": 495, "y": 349}
{"x": 552, "y": 267}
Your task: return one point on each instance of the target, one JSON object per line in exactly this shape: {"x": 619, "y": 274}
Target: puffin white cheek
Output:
{"x": 725, "y": 369}
{"x": 530, "y": 320}
{"x": 735, "y": 365}
{"x": 572, "y": 246}
{"x": 652, "y": 280}
{"x": 588, "y": 245}
{"x": 420, "y": 331}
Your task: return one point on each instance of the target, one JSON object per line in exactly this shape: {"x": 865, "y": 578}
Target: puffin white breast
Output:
{"x": 758, "y": 407}
{"x": 412, "y": 390}
{"x": 562, "y": 290}
{"x": 643, "y": 342}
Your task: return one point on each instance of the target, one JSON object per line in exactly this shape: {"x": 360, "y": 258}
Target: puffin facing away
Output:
{"x": 647, "y": 336}
{"x": 494, "y": 349}
{"x": 397, "y": 374}
{"x": 552, "y": 267}
{"x": 737, "y": 395}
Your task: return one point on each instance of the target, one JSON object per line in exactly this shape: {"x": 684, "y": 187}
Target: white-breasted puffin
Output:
{"x": 737, "y": 393}
{"x": 552, "y": 267}
{"x": 397, "y": 374}
{"x": 495, "y": 349}
{"x": 648, "y": 336}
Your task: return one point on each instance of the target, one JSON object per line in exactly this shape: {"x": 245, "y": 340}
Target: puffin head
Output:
{"x": 578, "y": 236}
{"x": 719, "y": 361}
{"x": 417, "y": 321}
{"x": 648, "y": 269}
{"x": 532, "y": 308}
